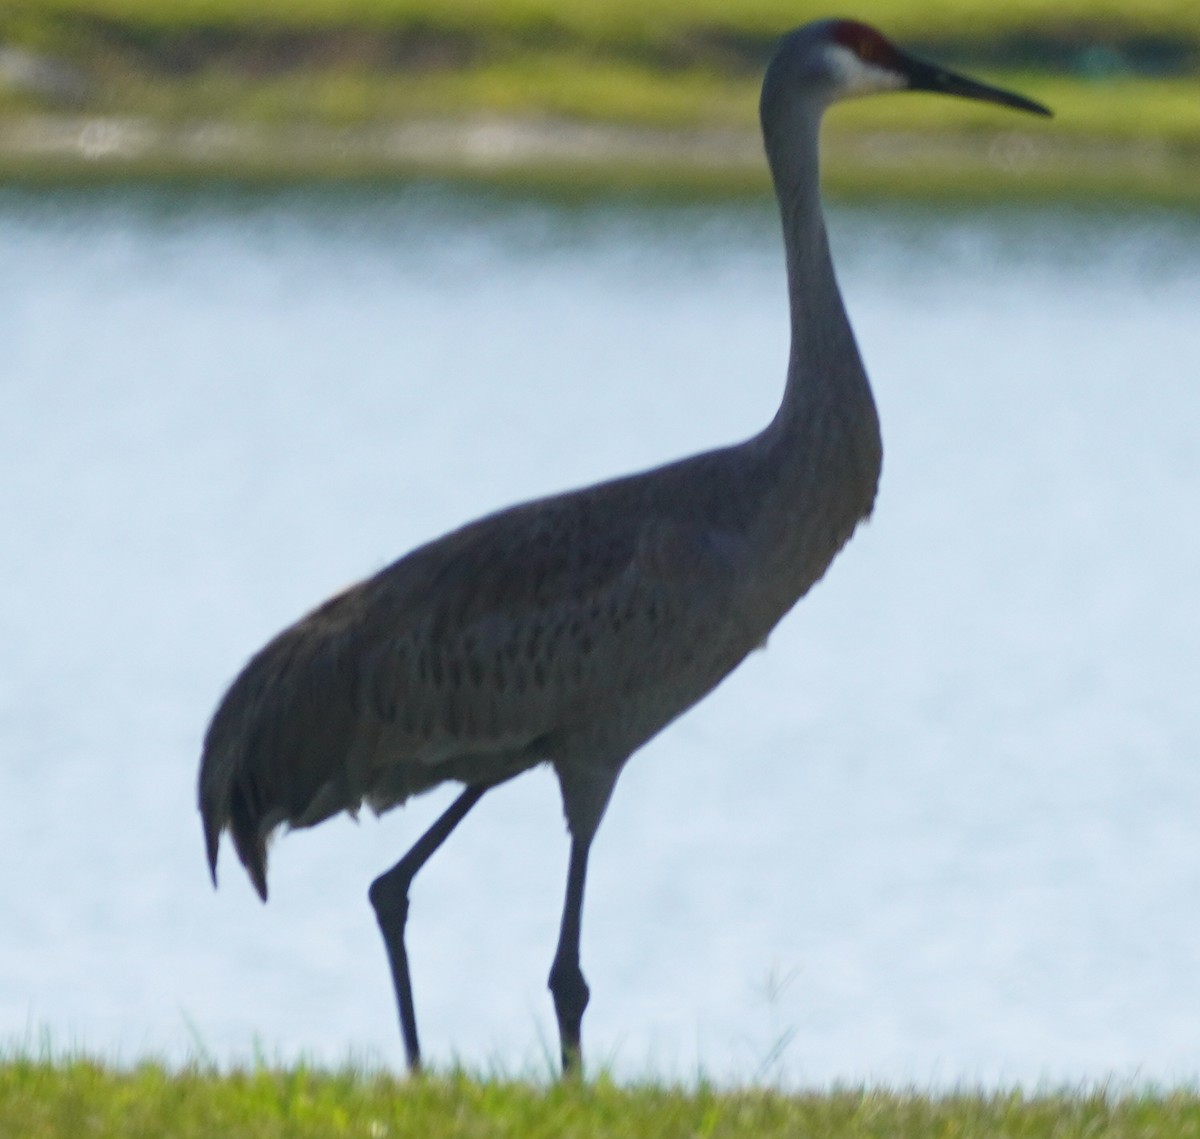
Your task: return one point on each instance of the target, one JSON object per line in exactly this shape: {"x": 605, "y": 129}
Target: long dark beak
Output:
{"x": 924, "y": 76}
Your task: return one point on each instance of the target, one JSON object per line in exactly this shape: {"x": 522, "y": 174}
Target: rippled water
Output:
{"x": 947, "y": 830}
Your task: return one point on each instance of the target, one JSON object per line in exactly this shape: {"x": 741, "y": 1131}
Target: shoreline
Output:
{"x": 537, "y": 151}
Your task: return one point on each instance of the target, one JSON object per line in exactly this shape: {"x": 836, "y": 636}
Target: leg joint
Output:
{"x": 570, "y": 991}
{"x": 389, "y": 895}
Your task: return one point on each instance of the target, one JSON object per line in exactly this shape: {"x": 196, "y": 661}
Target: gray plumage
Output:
{"x": 572, "y": 629}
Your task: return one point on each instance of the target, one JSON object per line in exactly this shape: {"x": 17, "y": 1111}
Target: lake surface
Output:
{"x": 945, "y": 831}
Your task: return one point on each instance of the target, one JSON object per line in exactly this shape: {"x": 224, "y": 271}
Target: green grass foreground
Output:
{"x": 83, "y": 1099}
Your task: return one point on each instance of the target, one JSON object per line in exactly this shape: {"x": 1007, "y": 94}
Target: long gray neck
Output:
{"x": 823, "y": 446}
{"x": 825, "y": 371}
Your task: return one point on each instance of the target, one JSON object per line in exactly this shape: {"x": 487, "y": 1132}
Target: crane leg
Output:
{"x": 389, "y": 896}
{"x": 567, "y": 985}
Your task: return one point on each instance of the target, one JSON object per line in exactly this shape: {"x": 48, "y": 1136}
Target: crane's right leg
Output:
{"x": 389, "y": 896}
{"x": 567, "y": 985}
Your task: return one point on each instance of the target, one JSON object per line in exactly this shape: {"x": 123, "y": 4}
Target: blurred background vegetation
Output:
{"x": 618, "y": 89}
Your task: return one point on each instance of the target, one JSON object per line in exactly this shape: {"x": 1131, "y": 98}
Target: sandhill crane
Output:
{"x": 572, "y": 629}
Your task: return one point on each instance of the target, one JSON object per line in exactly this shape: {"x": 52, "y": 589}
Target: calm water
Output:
{"x": 947, "y": 830}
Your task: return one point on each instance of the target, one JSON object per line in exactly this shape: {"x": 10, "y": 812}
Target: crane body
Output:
{"x": 572, "y": 629}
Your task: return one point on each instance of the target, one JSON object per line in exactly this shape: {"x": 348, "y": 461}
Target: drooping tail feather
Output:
{"x": 230, "y": 795}
{"x": 249, "y": 839}
{"x": 212, "y": 842}
{"x": 227, "y": 802}
{"x": 274, "y": 752}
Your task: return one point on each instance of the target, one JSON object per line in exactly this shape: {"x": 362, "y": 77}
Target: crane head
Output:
{"x": 842, "y": 59}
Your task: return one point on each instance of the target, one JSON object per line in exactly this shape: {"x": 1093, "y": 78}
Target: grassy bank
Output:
{"x": 623, "y": 23}
{"x": 313, "y": 87}
{"x": 85, "y": 1100}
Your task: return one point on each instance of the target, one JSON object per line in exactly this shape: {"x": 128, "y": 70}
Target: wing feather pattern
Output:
{"x": 467, "y": 659}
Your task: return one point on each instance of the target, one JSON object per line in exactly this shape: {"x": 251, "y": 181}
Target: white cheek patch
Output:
{"x": 856, "y": 77}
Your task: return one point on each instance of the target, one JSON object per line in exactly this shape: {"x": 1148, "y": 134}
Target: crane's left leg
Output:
{"x": 567, "y": 985}
{"x": 389, "y": 896}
